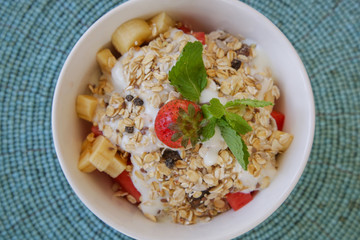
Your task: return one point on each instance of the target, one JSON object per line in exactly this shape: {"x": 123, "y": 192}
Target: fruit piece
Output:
{"x": 102, "y": 153}
{"x": 238, "y": 200}
{"x": 178, "y": 123}
{"x": 129, "y": 34}
{"x": 199, "y": 36}
{"x": 96, "y": 131}
{"x": 279, "y": 118}
{"x": 160, "y": 24}
{"x": 127, "y": 185}
{"x": 84, "y": 164}
{"x": 185, "y": 29}
{"x": 106, "y": 60}
{"x": 86, "y": 106}
{"x": 86, "y": 144}
{"x": 117, "y": 166}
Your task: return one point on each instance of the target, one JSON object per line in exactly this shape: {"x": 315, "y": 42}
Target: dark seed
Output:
{"x": 235, "y": 64}
{"x": 138, "y": 101}
{"x": 129, "y": 98}
{"x": 170, "y": 157}
{"x": 143, "y": 130}
{"x": 129, "y": 129}
{"x": 244, "y": 50}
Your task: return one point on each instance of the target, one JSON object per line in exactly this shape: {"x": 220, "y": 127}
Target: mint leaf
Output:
{"x": 248, "y": 102}
{"x": 238, "y": 123}
{"x": 234, "y": 142}
{"x": 189, "y": 73}
{"x": 208, "y": 131}
{"x": 215, "y": 109}
{"x": 246, "y": 153}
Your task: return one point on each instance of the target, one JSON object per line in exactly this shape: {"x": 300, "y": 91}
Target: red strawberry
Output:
{"x": 178, "y": 123}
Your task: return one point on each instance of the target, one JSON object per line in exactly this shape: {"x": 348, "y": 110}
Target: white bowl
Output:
{"x": 296, "y": 102}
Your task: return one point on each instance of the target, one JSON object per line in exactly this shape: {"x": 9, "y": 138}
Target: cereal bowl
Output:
{"x": 296, "y": 101}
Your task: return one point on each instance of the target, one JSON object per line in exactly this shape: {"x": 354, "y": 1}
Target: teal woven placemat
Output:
{"x": 38, "y": 203}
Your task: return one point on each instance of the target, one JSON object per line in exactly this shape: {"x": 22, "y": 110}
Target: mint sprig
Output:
{"x": 189, "y": 78}
{"x": 231, "y": 125}
{"x": 188, "y": 75}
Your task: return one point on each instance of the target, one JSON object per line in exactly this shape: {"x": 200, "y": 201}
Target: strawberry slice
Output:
{"x": 238, "y": 200}
{"x": 126, "y": 183}
{"x": 185, "y": 29}
{"x": 178, "y": 123}
{"x": 96, "y": 131}
{"x": 279, "y": 118}
{"x": 199, "y": 36}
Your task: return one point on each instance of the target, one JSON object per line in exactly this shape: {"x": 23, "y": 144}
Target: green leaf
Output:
{"x": 248, "y": 102}
{"x": 213, "y": 110}
{"x": 246, "y": 153}
{"x": 238, "y": 123}
{"x": 208, "y": 130}
{"x": 234, "y": 142}
{"x": 206, "y": 111}
{"x": 191, "y": 110}
{"x": 184, "y": 142}
{"x": 216, "y": 108}
{"x": 189, "y": 73}
{"x": 176, "y": 136}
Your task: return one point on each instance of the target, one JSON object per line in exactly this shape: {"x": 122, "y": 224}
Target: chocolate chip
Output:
{"x": 129, "y": 98}
{"x": 129, "y": 129}
{"x": 235, "y": 64}
{"x": 138, "y": 101}
{"x": 170, "y": 157}
{"x": 244, "y": 50}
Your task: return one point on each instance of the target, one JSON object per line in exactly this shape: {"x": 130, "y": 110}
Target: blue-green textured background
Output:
{"x": 38, "y": 203}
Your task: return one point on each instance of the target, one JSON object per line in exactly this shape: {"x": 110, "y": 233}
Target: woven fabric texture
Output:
{"x": 38, "y": 203}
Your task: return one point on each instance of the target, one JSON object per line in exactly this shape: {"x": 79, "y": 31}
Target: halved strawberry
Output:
{"x": 178, "y": 122}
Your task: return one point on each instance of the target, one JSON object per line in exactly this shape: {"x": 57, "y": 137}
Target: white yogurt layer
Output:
{"x": 209, "y": 151}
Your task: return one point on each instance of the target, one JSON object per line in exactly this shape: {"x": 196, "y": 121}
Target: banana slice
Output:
{"x": 117, "y": 166}
{"x": 102, "y": 153}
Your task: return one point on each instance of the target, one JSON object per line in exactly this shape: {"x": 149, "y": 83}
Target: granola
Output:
{"x": 191, "y": 183}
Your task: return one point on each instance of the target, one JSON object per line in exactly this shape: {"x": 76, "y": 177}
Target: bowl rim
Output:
{"x": 136, "y": 234}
